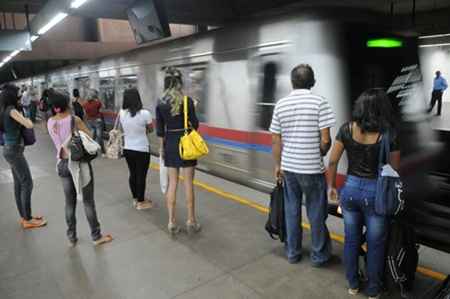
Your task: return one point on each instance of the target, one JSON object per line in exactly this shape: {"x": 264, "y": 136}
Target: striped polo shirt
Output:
{"x": 299, "y": 117}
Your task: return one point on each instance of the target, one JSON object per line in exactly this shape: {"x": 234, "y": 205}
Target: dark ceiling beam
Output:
{"x": 18, "y": 6}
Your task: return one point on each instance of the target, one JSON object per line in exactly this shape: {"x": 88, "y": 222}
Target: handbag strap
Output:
{"x": 116, "y": 122}
{"x": 185, "y": 109}
{"x": 385, "y": 150}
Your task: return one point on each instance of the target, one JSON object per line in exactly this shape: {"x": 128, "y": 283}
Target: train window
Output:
{"x": 107, "y": 92}
{"x": 269, "y": 86}
{"x": 83, "y": 84}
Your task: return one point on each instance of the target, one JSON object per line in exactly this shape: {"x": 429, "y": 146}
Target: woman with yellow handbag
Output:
{"x": 170, "y": 127}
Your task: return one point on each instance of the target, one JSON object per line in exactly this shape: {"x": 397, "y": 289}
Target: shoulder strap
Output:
{"x": 117, "y": 120}
{"x": 385, "y": 150}
{"x": 185, "y": 109}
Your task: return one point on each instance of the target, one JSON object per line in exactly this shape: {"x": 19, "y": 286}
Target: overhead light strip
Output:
{"x": 434, "y": 36}
{"x": 77, "y": 3}
{"x": 58, "y": 18}
{"x": 434, "y": 45}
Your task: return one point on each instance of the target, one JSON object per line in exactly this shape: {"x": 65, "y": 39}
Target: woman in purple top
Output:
{"x": 60, "y": 129}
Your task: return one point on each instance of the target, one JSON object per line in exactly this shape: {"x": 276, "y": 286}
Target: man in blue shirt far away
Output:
{"x": 439, "y": 85}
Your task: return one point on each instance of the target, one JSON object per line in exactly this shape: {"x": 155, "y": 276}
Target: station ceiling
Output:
{"x": 216, "y": 12}
{"x": 423, "y": 16}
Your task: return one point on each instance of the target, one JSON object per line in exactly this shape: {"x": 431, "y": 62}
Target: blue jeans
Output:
{"x": 23, "y": 181}
{"x": 313, "y": 186}
{"x": 96, "y": 126}
{"x": 357, "y": 202}
{"x": 71, "y": 203}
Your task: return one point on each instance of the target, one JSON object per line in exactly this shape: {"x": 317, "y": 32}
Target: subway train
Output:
{"x": 237, "y": 73}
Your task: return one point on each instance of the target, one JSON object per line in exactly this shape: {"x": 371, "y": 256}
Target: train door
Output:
{"x": 272, "y": 84}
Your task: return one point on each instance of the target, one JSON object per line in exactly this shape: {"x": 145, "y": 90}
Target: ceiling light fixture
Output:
{"x": 434, "y": 45}
{"x": 58, "y": 18}
{"x": 77, "y": 3}
{"x": 434, "y": 36}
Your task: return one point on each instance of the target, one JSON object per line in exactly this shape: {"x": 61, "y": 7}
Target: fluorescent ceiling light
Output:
{"x": 77, "y": 3}
{"x": 434, "y": 45}
{"x": 434, "y": 36}
{"x": 58, "y": 18}
{"x": 15, "y": 53}
{"x": 7, "y": 59}
{"x": 34, "y": 37}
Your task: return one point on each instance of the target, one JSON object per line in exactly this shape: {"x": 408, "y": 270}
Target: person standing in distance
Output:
{"x": 94, "y": 117}
{"x": 439, "y": 86}
{"x": 300, "y": 129}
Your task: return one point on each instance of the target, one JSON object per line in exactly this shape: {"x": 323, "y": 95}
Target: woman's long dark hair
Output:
{"x": 8, "y": 97}
{"x": 132, "y": 101}
{"x": 58, "y": 101}
{"x": 373, "y": 111}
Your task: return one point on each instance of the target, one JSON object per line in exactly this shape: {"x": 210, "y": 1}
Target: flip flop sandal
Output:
{"x": 103, "y": 240}
{"x": 31, "y": 224}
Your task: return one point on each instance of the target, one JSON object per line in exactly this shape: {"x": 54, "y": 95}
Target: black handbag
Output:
{"x": 77, "y": 151}
{"x": 275, "y": 224}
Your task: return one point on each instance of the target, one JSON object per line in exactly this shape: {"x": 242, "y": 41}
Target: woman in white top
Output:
{"x": 136, "y": 122}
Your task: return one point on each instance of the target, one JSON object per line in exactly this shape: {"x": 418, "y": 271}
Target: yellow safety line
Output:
{"x": 247, "y": 202}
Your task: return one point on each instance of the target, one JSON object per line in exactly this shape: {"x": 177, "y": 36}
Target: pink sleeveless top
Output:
{"x": 60, "y": 131}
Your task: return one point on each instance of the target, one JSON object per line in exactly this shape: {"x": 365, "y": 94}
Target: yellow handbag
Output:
{"x": 192, "y": 146}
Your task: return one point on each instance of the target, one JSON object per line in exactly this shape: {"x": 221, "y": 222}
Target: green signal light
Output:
{"x": 384, "y": 43}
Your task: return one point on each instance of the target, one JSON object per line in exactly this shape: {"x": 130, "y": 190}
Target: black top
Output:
{"x": 362, "y": 158}
{"x": 165, "y": 122}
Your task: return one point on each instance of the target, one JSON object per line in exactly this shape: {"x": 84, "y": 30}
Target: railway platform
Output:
{"x": 233, "y": 257}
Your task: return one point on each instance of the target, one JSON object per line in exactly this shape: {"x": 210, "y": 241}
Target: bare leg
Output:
{"x": 189, "y": 173}
{"x": 172, "y": 193}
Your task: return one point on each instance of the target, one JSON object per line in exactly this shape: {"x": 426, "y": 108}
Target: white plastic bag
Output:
{"x": 163, "y": 176}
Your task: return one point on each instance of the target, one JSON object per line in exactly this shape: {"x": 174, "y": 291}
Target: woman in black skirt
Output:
{"x": 170, "y": 128}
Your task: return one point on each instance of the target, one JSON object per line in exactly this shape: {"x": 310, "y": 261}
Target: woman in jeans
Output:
{"x": 136, "y": 122}
{"x": 11, "y": 123}
{"x": 360, "y": 138}
{"x": 170, "y": 128}
{"x": 60, "y": 130}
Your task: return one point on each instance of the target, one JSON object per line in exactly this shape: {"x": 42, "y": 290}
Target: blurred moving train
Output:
{"x": 238, "y": 72}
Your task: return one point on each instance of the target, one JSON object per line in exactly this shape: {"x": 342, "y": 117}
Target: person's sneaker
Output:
{"x": 33, "y": 223}
{"x": 331, "y": 261}
{"x": 294, "y": 260}
{"x": 353, "y": 291}
{"x": 143, "y": 205}
{"x": 173, "y": 228}
{"x": 193, "y": 227}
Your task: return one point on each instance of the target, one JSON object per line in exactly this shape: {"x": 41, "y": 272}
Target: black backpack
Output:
{"x": 401, "y": 258}
{"x": 275, "y": 224}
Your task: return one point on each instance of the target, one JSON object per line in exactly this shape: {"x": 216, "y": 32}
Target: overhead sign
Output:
{"x": 11, "y": 40}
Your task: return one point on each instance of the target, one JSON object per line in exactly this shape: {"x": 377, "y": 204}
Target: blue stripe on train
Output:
{"x": 240, "y": 145}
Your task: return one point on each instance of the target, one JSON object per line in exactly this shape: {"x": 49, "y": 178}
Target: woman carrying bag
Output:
{"x": 136, "y": 122}
{"x": 170, "y": 129}
{"x": 361, "y": 138}
{"x": 77, "y": 177}
{"x": 15, "y": 129}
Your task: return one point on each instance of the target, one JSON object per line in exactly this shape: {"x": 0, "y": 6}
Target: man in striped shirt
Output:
{"x": 300, "y": 138}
